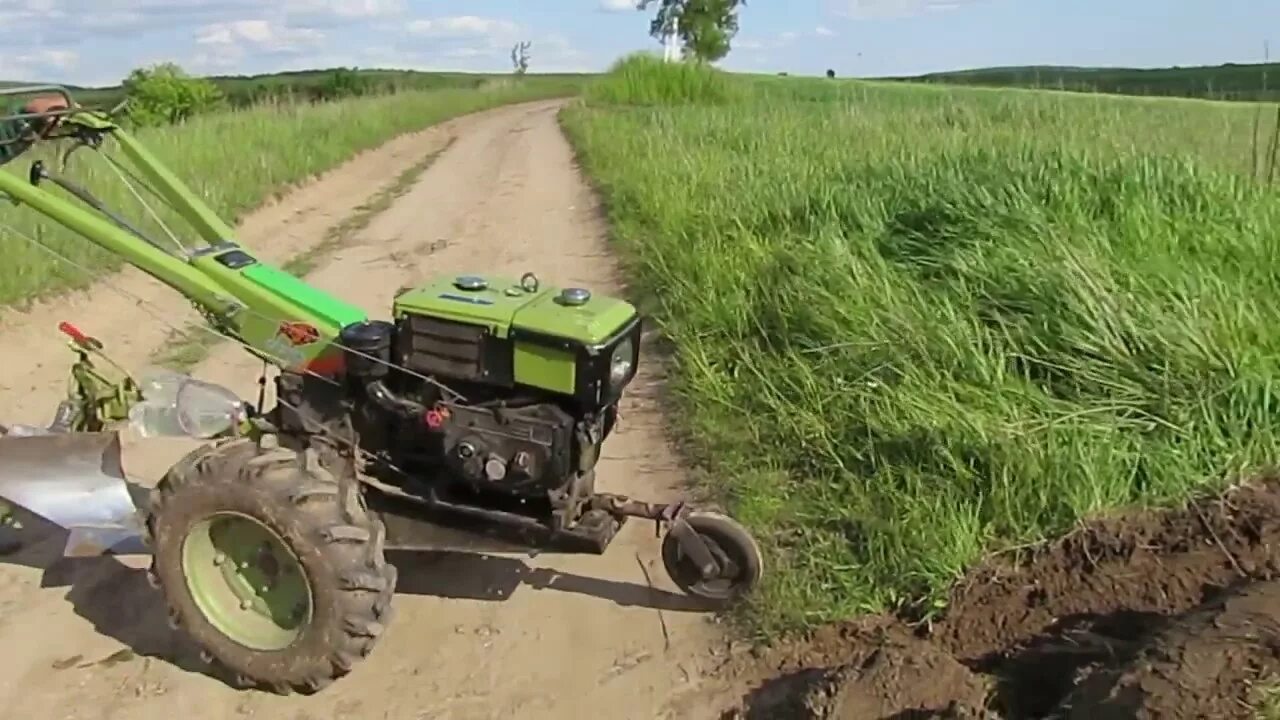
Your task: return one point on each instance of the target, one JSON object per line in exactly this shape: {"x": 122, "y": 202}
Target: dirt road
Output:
{"x": 475, "y": 636}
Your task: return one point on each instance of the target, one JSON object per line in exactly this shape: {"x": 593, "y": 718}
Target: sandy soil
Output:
{"x": 475, "y": 636}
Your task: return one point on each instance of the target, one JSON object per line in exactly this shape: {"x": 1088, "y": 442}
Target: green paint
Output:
{"x": 504, "y": 305}
{"x": 172, "y": 271}
{"x": 317, "y": 302}
{"x": 100, "y": 399}
{"x": 246, "y": 581}
{"x": 271, "y": 297}
{"x": 494, "y": 307}
{"x": 546, "y": 368}
{"x": 249, "y": 303}
{"x": 592, "y": 323}
{"x": 187, "y": 348}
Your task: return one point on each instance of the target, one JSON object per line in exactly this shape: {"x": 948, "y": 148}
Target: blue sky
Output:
{"x": 98, "y": 41}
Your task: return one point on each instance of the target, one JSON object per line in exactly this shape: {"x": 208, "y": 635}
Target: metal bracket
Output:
{"x": 696, "y": 548}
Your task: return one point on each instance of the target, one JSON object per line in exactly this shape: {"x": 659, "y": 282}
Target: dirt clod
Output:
{"x": 1171, "y": 614}
{"x": 888, "y": 674}
{"x": 1203, "y": 665}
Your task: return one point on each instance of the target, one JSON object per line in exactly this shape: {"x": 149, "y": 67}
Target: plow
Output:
{"x": 479, "y": 402}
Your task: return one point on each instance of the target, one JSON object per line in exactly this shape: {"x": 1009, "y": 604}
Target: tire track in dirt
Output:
{"x": 475, "y": 636}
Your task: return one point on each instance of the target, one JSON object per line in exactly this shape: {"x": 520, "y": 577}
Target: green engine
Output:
{"x": 503, "y": 385}
{"x": 503, "y": 334}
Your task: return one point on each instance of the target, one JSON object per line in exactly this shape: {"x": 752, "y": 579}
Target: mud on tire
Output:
{"x": 335, "y": 542}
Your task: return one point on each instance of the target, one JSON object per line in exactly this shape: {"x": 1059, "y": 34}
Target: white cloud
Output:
{"x": 261, "y": 35}
{"x": 463, "y": 26}
{"x": 226, "y": 46}
{"x": 618, "y": 6}
{"x": 549, "y": 53}
{"x": 84, "y": 21}
{"x": 883, "y": 9}
{"x": 345, "y": 9}
{"x": 40, "y": 63}
{"x": 470, "y": 42}
{"x": 824, "y": 31}
{"x": 60, "y": 59}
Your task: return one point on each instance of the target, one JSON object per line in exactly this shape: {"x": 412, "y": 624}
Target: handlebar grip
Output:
{"x": 79, "y": 337}
{"x": 72, "y": 332}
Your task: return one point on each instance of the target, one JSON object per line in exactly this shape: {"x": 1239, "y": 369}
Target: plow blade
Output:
{"x": 77, "y": 482}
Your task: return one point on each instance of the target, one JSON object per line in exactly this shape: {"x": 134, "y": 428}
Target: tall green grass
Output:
{"x": 644, "y": 79}
{"x": 915, "y": 325}
{"x": 234, "y": 161}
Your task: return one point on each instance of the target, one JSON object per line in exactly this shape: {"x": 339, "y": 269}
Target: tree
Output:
{"x": 705, "y": 27}
{"x": 520, "y": 57}
{"x": 165, "y": 93}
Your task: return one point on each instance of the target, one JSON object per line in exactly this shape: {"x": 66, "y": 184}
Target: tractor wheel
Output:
{"x": 727, "y": 540}
{"x": 267, "y": 568}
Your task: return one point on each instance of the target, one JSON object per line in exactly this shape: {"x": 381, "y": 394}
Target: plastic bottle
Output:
{"x": 175, "y": 405}
{"x": 157, "y": 414}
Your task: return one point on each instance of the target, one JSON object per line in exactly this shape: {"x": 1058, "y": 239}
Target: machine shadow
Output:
{"x": 119, "y": 602}
{"x": 113, "y": 597}
{"x": 443, "y": 554}
{"x": 478, "y": 576}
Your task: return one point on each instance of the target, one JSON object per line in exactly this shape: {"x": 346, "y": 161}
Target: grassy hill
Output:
{"x": 1260, "y": 81}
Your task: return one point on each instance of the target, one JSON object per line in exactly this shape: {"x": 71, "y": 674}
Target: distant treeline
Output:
{"x": 1219, "y": 82}
{"x": 334, "y": 83}
{"x": 310, "y": 85}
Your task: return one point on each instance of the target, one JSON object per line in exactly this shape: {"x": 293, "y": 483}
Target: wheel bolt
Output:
{"x": 246, "y": 604}
{"x": 219, "y": 558}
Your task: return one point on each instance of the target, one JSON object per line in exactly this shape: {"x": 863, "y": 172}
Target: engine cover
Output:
{"x": 524, "y": 451}
{"x": 503, "y": 334}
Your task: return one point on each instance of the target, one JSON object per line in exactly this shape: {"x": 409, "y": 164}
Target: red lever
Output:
{"x": 73, "y": 332}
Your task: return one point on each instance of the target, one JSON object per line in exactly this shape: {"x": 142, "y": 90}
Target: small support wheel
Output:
{"x": 738, "y": 564}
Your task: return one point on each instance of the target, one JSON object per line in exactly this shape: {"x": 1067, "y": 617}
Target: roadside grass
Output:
{"x": 644, "y": 79}
{"x": 916, "y": 325}
{"x": 234, "y": 162}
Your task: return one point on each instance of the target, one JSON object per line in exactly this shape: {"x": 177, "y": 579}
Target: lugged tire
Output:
{"x": 338, "y": 543}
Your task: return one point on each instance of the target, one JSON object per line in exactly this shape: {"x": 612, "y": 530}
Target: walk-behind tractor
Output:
{"x": 481, "y": 402}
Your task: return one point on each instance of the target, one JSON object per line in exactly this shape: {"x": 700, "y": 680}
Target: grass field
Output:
{"x": 1255, "y": 81}
{"x": 913, "y": 324}
{"x": 235, "y": 161}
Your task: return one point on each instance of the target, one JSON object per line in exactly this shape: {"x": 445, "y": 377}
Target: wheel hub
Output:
{"x": 246, "y": 581}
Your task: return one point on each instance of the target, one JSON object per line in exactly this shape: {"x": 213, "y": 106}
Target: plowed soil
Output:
{"x": 1170, "y": 614}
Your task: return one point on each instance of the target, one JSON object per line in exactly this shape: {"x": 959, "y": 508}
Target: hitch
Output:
{"x": 710, "y": 560}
